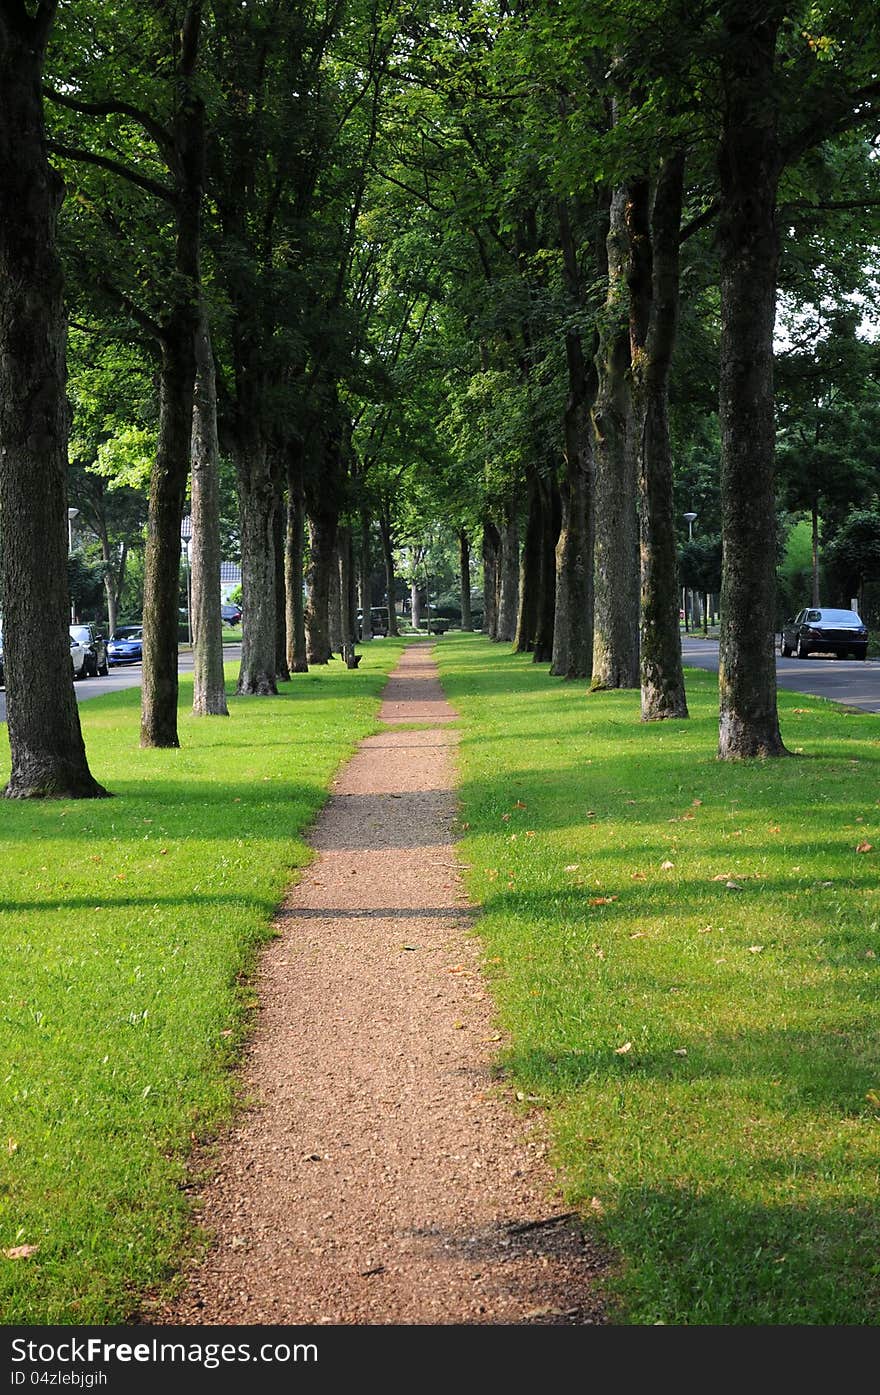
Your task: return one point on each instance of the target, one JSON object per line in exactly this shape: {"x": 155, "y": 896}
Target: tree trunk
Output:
{"x": 279, "y": 528}
{"x": 176, "y": 391}
{"x": 334, "y": 608}
{"x": 364, "y": 574}
{"x": 256, "y": 499}
{"x": 45, "y": 738}
{"x": 294, "y": 559}
{"x": 491, "y": 548}
{"x": 749, "y": 163}
{"x": 390, "y": 582}
{"x": 653, "y": 285}
{"x": 464, "y": 568}
{"x": 551, "y": 520}
{"x": 530, "y": 568}
{"x": 814, "y": 521}
{"x": 209, "y": 688}
{"x": 573, "y": 624}
{"x": 415, "y": 604}
{"x": 616, "y": 610}
{"x": 322, "y": 539}
{"x": 508, "y": 577}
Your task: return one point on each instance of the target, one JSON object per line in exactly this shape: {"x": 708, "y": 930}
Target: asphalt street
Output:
{"x": 848, "y": 681}
{"x": 125, "y": 676}
{"x": 853, "y": 682}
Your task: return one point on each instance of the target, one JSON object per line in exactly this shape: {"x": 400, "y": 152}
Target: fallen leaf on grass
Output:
{"x": 596, "y": 1206}
{"x": 20, "y": 1252}
{"x": 869, "y": 954}
{"x": 864, "y": 846}
{"x": 873, "y": 1098}
{"x": 696, "y": 803}
{"x": 666, "y": 866}
{"x": 638, "y": 877}
{"x": 601, "y": 900}
{"x": 733, "y": 886}
{"x": 623, "y": 1050}
{"x": 679, "y": 1051}
{"x": 11, "y": 1146}
{"x": 572, "y": 867}
{"x": 722, "y": 877}
{"x": 755, "y": 949}
{"x": 638, "y": 934}
{"x": 519, "y": 805}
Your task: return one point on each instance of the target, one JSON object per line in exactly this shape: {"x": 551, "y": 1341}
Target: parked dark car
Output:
{"x": 125, "y": 645}
{"x": 379, "y": 622}
{"x": 230, "y": 614}
{"x": 95, "y": 661}
{"x": 824, "y": 631}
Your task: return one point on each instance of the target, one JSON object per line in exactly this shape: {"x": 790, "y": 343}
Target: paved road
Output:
{"x": 125, "y": 676}
{"x": 850, "y": 681}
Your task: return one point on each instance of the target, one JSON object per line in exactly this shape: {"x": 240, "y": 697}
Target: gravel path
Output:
{"x": 379, "y": 1175}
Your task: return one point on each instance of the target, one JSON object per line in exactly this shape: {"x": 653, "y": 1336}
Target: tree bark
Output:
{"x": 616, "y": 609}
{"x": 256, "y": 501}
{"x": 386, "y": 531}
{"x": 415, "y": 604}
{"x": 322, "y": 539}
{"x": 176, "y": 390}
{"x": 209, "y": 688}
{"x": 334, "y": 606}
{"x": 294, "y": 559}
{"x": 464, "y": 568}
{"x": 279, "y": 528}
{"x": 491, "y": 548}
{"x": 653, "y": 285}
{"x": 573, "y": 624}
{"x": 530, "y": 568}
{"x": 508, "y": 602}
{"x": 749, "y": 164}
{"x": 551, "y": 510}
{"x": 45, "y": 738}
{"x": 364, "y": 575}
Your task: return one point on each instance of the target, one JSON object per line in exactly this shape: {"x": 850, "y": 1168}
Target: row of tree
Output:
{"x": 492, "y": 263}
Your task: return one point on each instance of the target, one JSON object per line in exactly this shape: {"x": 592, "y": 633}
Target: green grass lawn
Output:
{"x": 129, "y": 929}
{"x": 686, "y": 955}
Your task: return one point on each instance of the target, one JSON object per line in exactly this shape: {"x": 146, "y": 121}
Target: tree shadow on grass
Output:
{"x": 830, "y": 1068}
{"x": 707, "y": 1257}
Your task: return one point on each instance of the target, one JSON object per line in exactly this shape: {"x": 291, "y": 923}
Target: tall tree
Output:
{"x": 45, "y": 739}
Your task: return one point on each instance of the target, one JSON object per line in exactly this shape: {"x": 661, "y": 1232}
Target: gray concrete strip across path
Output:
{"x": 853, "y": 682}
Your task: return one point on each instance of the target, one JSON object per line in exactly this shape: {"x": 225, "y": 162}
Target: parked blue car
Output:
{"x": 126, "y": 645}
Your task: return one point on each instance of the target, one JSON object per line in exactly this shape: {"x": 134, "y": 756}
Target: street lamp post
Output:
{"x": 71, "y": 515}
{"x": 185, "y": 535}
{"x": 688, "y": 600}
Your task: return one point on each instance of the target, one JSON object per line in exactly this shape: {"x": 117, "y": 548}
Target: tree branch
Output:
{"x": 146, "y": 322}
{"x": 89, "y": 157}
{"x": 701, "y": 221}
{"x": 111, "y": 107}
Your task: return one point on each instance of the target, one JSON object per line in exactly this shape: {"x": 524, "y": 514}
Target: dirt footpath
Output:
{"x": 379, "y": 1175}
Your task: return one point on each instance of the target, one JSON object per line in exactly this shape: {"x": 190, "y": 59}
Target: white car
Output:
{"x": 79, "y": 659}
